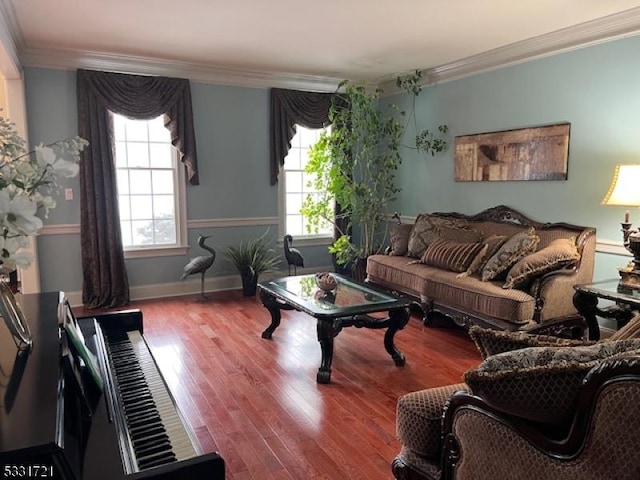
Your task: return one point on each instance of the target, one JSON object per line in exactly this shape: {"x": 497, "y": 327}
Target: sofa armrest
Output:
{"x": 608, "y": 406}
{"x": 553, "y": 292}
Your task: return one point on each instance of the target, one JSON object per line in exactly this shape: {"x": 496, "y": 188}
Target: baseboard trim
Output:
{"x": 191, "y": 286}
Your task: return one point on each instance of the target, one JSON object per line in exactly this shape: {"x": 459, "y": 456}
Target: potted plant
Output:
{"x": 354, "y": 166}
{"x": 252, "y": 258}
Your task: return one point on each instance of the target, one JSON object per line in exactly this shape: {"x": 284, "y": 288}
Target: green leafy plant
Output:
{"x": 255, "y": 254}
{"x": 426, "y": 140}
{"x": 355, "y": 163}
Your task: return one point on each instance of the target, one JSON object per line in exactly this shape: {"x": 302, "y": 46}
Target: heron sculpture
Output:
{"x": 200, "y": 264}
{"x": 292, "y": 255}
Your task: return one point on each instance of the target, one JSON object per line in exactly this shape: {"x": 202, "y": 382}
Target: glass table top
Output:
{"x": 347, "y": 297}
{"x": 610, "y": 289}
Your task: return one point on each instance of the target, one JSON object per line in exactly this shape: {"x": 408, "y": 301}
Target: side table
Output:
{"x": 586, "y": 298}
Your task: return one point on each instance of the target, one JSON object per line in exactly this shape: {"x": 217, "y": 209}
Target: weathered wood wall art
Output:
{"x": 537, "y": 153}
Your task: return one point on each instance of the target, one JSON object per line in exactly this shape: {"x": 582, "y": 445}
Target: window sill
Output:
{"x": 156, "y": 252}
{"x": 309, "y": 241}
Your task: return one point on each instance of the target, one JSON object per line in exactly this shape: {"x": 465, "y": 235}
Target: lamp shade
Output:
{"x": 625, "y": 187}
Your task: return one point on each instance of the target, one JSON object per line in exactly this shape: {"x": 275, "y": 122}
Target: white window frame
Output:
{"x": 181, "y": 246}
{"x": 306, "y": 239}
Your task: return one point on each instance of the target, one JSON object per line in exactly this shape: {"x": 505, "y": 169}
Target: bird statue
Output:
{"x": 200, "y": 264}
{"x": 293, "y": 255}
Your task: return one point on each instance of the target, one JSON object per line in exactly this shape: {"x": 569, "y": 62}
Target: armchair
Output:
{"x": 497, "y": 429}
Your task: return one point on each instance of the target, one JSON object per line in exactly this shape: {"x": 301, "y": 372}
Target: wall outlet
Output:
{"x": 68, "y": 193}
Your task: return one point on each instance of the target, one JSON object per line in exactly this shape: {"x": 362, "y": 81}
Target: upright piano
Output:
{"x": 58, "y": 421}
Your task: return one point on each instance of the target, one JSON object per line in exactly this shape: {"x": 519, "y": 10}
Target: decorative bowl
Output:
{"x": 326, "y": 281}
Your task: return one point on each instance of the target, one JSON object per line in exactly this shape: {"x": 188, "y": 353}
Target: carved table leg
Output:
{"x": 397, "y": 321}
{"x": 328, "y": 328}
{"x": 271, "y": 304}
{"x": 587, "y": 306}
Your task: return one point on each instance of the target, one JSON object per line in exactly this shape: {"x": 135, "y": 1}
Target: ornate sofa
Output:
{"x": 441, "y": 261}
{"x": 560, "y": 411}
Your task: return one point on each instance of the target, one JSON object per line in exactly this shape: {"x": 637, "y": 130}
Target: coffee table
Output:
{"x": 587, "y": 296}
{"x": 348, "y": 305}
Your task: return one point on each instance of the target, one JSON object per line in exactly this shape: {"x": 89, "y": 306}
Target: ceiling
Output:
{"x": 322, "y": 41}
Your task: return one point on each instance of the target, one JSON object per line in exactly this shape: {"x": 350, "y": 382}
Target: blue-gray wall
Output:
{"x": 596, "y": 89}
{"x": 233, "y": 152}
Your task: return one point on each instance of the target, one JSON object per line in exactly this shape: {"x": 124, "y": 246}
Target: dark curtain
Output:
{"x": 105, "y": 282}
{"x": 311, "y": 110}
{"x": 289, "y": 107}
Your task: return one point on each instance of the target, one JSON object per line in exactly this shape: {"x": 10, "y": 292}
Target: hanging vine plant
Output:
{"x": 426, "y": 141}
{"x": 355, "y": 163}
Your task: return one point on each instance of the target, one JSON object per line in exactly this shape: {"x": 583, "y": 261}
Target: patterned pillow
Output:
{"x": 457, "y": 234}
{"x": 399, "y": 235}
{"x": 425, "y": 228}
{"x": 491, "y": 342}
{"x": 558, "y": 254}
{"x": 541, "y": 383}
{"x": 448, "y": 255}
{"x": 494, "y": 243}
{"x": 630, "y": 330}
{"x": 491, "y": 246}
{"x": 517, "y": 247}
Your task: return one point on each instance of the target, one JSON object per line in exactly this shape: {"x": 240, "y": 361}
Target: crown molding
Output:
{"x": 605, "y": 29}
{"x": 68, "y": 59}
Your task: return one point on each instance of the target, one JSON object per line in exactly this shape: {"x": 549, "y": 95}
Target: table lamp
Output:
{"x": 625, "y": 191}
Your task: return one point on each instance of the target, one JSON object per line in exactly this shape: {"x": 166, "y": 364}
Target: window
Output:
{"x": 150, "y": 194}
{"x": 293, "y": 185}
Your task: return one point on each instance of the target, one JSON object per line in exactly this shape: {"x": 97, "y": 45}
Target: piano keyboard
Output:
{"x": 155, "y": 428}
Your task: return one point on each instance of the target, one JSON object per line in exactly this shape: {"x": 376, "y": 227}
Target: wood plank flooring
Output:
{"x": 257, "y": 402}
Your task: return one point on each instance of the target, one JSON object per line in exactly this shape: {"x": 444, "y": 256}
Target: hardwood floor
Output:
{"x": 257, "y": 402}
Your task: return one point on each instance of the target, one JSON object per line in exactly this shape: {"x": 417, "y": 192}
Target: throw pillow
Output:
{"x": 630, "y": 330}
{"x": 494, "y": 243}
{"x": 491, "y": 244}
{"x": 424, "y": 231}
{"x": 491, "y": 342}
{"x": 558, "y": 254}
{"x": 473, "y": 266}
{"x": 462, "y": 235}
{"x": 453, "y": 256}
{"x": 517, "y": 247}
{"x": 399, "y": 235}
{"x": 541, "y": 383}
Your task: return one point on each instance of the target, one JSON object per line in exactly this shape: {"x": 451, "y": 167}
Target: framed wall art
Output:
{"x": 535, "y": 153}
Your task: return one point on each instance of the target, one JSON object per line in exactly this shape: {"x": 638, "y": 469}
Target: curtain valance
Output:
{"x": 143, "y": 98}
{"x": 288, "y": 108}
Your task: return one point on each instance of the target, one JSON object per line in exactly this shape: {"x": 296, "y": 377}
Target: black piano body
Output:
{"x": 55, "y": 422}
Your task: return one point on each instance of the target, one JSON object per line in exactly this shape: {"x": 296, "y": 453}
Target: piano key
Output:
{"x": 155, "y": 459}
{"x": 147, "y": 432}
{"x": 183, "y": 448}
{"x": 155, "y": 429}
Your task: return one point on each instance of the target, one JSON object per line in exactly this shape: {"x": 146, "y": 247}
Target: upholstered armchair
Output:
{"x": 563, "y": 410}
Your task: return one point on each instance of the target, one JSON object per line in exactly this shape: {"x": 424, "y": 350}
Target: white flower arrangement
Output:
{"x": 28, "y": 181}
